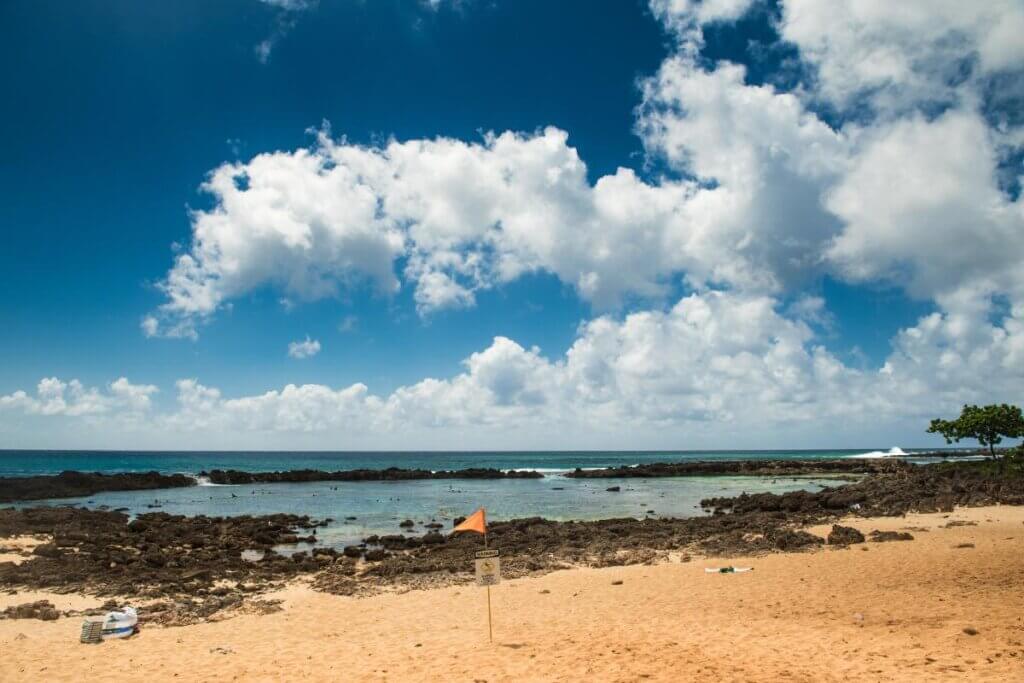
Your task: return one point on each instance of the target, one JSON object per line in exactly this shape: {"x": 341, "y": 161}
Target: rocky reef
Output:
{"x": 73, "y": 484}
{"x": 388, "y": 474}
{"x": 156, "y": 554}
{"x": 753, "y": 468}
{"x": 928, "y": 488}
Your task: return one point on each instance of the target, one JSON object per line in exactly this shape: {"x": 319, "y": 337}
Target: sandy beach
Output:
{"x": 873, "y": 611}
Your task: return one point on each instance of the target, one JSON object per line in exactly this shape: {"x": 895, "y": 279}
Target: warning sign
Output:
{"x": 488, "y": 568}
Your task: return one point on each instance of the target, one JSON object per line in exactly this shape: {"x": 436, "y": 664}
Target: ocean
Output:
{"x": 378, "y": 507}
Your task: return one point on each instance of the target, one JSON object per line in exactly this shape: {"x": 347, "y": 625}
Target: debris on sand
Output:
{"x": 885, "y": 536}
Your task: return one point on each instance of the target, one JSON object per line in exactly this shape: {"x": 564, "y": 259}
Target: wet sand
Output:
{"x": 896, "y": 611}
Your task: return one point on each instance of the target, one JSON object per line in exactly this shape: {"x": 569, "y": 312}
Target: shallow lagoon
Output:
{"x": 380, "y": 506}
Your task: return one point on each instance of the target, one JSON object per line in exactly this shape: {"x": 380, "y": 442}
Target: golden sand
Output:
{"x": 15, "y": 549}
{"x": 893, "y": 612}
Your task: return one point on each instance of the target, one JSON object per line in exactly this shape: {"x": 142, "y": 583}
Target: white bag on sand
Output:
{"x": 120, "y": 624}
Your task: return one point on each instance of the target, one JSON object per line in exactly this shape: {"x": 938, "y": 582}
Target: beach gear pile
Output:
{"x": 727, "y": 570}
{"x": 115, "y": 624}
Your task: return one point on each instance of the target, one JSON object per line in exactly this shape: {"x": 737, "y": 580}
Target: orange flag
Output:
{"x": 475, "y": 522}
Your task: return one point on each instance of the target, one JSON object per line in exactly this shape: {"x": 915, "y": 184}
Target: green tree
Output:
{"x": 1015, "y": 458}
{"x": 987, "y": 424}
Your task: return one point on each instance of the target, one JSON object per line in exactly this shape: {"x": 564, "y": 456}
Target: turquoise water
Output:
{"x": 380, "y": 506}
{"x": 22, "y": 463}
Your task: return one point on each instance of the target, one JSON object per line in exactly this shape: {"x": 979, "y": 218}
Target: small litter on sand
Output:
{"x": 116, "y": 624}
{"x": 92, "y": 631}
{"x": 727, "y": 570}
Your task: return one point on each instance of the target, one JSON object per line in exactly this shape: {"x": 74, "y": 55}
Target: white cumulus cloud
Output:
{"x": 714, "y": 363}
{"x": 904, "y": 184}
{"x": 56, "y": 397}
{"x": 902, "y": 55}
{"x": 306, "y": 348}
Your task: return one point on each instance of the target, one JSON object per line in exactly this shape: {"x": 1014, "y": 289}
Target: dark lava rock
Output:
{"x": 71, "y": 484}
{"x": 389, "y": 474}
{"x": 407, "y": 524}
{"x": 912, "y": 488}
{"x": 158, "y": 554}
{"x": 47, "y": 550}
{"x": 765, "y": 468}
{"x": 844, "y": 535}
{"x": 458, "y": 520}
{"x": 338, "y": 579}
{"x": 353, "y": 551}
{"x": 789, "y": 539}
{"x": 613, "y": 489}
{"x": 883, "y": 536}
{"x": 393, "y": 541}
{"x": 433, "y": 538}
{"x": 375, "y": 555}
{"x": 42, "y": 609}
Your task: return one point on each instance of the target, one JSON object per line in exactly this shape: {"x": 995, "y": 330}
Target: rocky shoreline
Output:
{"x": 754, "y": 468}
{"x": 71, "y": 484}
{"x": 388, "y": 474}
{"x": 200, "y": 565}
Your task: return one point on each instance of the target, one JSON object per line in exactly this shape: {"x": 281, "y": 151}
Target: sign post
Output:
{"x": 488, "y": 573}
{"x": 488, "y": 566}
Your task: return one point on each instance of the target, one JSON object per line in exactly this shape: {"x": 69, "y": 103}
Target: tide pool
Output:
{"x": 379, "y": 506}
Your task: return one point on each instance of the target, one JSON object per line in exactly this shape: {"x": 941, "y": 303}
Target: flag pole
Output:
{"x": 477, "y": 522}
{"x": 490, "y": 627}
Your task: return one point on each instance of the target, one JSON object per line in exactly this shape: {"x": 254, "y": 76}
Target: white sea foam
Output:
{"x": 205, "y": 481}
{"x": 542, "y": 470}
{"x": 894, "y": 452}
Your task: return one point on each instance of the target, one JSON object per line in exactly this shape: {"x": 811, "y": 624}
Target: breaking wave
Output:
{"x": 894, "y": 452}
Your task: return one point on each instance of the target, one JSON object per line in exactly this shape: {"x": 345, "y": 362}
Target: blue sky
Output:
{"x": 115, "y": 135}
{"x": 124, "y": 109}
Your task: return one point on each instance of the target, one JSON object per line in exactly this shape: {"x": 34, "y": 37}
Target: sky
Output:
{"x": 460, "y": 224}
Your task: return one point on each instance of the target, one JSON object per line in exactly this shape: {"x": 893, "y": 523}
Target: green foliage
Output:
{"x": 1002, "y": 468}
{"x": 988, "y": 425}
{"x": 1015, "y": 458}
